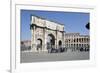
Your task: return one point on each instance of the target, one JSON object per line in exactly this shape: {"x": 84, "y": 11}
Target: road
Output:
{"x": 28, "y": 57}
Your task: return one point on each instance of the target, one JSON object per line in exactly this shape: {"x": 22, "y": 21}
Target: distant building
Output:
{"x": 26, "y": 45}
{"x": 27, "y": 42}
{"x": 75, "y": 41}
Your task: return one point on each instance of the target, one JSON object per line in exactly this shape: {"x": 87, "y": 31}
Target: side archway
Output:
{"x": 39, "y": 44}
{"x": 60, "y": 43}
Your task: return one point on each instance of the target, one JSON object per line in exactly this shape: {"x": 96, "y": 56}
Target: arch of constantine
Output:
{"x": 46, "y": 34}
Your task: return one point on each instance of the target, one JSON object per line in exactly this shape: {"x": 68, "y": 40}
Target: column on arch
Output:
{"x": 33, "y": 40}
{"x": 44, "y": 39}
{"x": 63, "y": 38}
{"x": 56, "y": 39}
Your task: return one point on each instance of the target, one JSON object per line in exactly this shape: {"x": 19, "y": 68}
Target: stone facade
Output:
{"x": 45, "y": 34}
{"x": 76, "y": 41}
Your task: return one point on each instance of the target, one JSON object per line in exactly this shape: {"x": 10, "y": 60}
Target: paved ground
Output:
{"x": 29, "y": 57}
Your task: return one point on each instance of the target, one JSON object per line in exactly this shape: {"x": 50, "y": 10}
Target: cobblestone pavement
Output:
{"x": 28, "y": 57}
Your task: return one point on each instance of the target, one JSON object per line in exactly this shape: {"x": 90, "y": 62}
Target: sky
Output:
{"x": 73, "y": 21}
